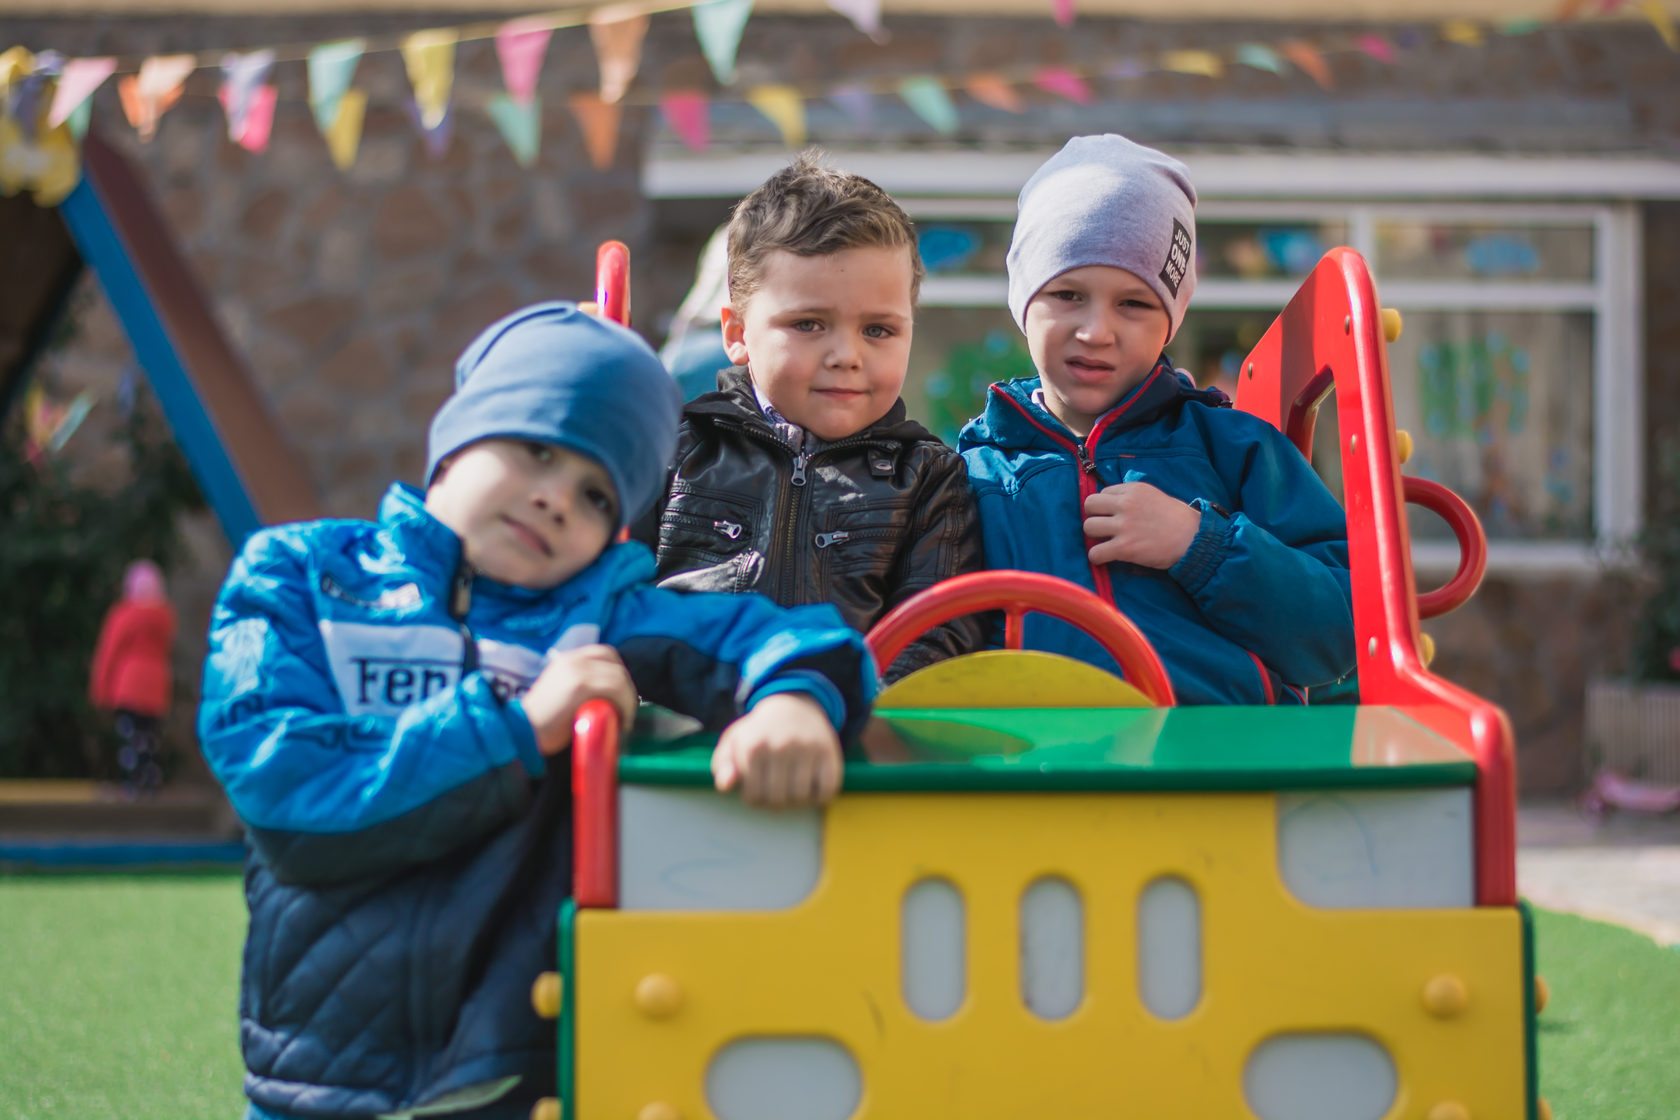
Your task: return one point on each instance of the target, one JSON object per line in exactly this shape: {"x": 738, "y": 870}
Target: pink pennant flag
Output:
{"x": 76, "y": 84}
{"x": 1062, "y": 11}
{"x": 989, "y": 89}
{"x": 258, "y": 123}
{"x": 689, "y": 115}
{"x": 522, "y": 46}
{"x": 1377, "y": 47}
{"x": 1063, "y": 83}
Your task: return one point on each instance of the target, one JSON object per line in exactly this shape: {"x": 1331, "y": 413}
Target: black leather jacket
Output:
{"x": 864, "y": 522}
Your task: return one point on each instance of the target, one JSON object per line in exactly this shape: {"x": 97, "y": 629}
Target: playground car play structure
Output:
{"x": 1045, "y": 892}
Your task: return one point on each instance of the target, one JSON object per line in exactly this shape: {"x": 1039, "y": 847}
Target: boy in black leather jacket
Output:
{"x": 801, "y": 477}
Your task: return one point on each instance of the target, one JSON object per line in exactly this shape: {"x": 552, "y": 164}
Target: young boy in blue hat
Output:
{"x": 1201, "y": 523}
{"x": 382, "y": 700}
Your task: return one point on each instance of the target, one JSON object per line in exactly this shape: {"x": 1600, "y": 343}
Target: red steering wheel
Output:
{"x": 1016, "y": 593}
{"x": 1472, "y": 546}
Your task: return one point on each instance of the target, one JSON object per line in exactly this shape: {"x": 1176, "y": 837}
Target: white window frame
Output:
{"x": 1603, "y": 191}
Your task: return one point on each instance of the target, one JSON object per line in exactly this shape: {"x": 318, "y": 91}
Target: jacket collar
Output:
{"x": 735, "y": 402}
{"x": 412, "y": 537}
{"x": 1012, "y": 419}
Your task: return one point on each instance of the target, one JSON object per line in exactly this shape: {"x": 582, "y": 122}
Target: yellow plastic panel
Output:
{"x": 1011, "y": 678}
{"x": 830, "y": 967}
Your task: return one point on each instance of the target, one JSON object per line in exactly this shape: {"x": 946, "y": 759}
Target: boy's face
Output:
{"x": 528, "y": 514}
{"x": 1094, "y": 333}
{"x": 827, "y": 337}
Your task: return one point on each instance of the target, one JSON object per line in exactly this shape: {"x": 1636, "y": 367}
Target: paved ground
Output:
{"x": 1624, "y": 869}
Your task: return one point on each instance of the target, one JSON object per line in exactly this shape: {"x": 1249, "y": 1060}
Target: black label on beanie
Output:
{"x": 1178, "y": 258}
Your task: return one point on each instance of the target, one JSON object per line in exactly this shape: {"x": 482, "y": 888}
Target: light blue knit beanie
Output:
{"x": 558, "y": 375}
{"x": 1105, "y": 200}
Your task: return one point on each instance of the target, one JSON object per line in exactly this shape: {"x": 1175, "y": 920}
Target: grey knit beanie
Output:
{"x": 1105, "y": 200}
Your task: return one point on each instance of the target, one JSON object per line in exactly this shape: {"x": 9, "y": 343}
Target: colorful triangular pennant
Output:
{"x": 256, "y": 124}
{"x": 719, "y": 25}
{"x": 688, "y": 114}
{"x": 81, "y": 77}
{"x": 864, "y": 14}
{"x": 617, "y": 34}
{"x": 598, "y": 121}
{"x": 521, "y": 45}
{"x": 857, "y": 102}
{"x": 1205, "y": 63}
{"x": 429, "y": 57}
{"x": 785, "y": 108}
{"x": 1063, "y": 83}
{"x": 147, "y": 96}
{"x": 344, "y": 134}
{"x": 242, "y": 76}
{"x": 520, "y": 123}
{"x": 331, "y": 68}
{"x": 989, "y": 89}
{"x": 929, "y": 100}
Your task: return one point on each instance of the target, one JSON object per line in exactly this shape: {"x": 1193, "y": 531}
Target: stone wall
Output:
{"x": 351, "y": 293}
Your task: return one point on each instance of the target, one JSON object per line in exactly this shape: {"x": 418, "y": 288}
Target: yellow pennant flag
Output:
{"x": 598, "y": 119}
{"x": 1662, "y": 21}
{"x": 785, "y": 108}
{"x": 1463, "y": 32}
{"x": 430, "y": 58}
{"x": 345, "y": 135}
{"x": 1205, "y": 63}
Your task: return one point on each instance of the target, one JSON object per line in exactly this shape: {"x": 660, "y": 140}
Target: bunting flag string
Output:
{"x": 46, "y": 99}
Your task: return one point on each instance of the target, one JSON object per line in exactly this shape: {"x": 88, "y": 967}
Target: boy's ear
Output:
{"x": 734, "y": 336}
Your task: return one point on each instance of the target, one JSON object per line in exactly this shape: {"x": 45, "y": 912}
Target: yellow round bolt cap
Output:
{"x": 658, "y": 996}
{"x": 1426, "y": 647}
{"x": 1545, "y": 1110}
{"x": 1447, "y": 1110}
{"x": 546, "y": 1109}
{"x": 1403, "y": 443}
{"x": 1445, "y": 996}
{"x": 1392, "y": 324}
{"x": 545, "y": 995}
{"x": 658, "y": 1110}
{"x": 1542, "y": 995}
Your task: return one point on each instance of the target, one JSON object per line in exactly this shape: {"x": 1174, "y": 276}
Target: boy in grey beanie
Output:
{"x": 1110, "y": 469}
{"x": 382, "y": 702}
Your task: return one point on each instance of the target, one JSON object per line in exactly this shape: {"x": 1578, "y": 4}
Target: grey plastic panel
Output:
{"x": 1052, "y": 948}
{"x": 935, "y": 946}
{"x": 1320, "y": 1077}
{"x": 783, "y": 1079}
{"x": 1369, "y": 849}
{"x": 693, "y": 849}
{"x": 1169, "y": 947}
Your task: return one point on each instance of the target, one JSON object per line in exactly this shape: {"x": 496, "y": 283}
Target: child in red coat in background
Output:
{"x": 131, "y": 674}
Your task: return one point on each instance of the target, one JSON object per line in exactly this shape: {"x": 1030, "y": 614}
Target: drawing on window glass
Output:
{"x": 947, "y": 248}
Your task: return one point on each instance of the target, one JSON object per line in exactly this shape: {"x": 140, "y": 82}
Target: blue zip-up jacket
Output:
{"x": 407, "y": 862}
{"x": 1260, "y": 604}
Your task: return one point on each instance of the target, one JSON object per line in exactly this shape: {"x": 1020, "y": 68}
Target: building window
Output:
{"x": 1515, "y": 344}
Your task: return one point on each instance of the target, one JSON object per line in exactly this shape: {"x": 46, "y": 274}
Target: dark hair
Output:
{"x": 813, "y": 210}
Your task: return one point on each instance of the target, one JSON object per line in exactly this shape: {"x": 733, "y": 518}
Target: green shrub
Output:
{"x": 63, "y": 548}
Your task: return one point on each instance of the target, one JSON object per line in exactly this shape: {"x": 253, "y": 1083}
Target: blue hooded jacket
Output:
{"x": 1262, "y": 599}
{"x": 407, "y": 863}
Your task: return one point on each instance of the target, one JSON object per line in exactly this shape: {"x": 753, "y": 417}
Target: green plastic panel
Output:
{"x": 1204, "y": 748}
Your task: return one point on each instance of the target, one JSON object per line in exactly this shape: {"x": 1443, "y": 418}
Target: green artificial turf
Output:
{"x": 1610, "y": 1036}
{"x": 118, "y": 999}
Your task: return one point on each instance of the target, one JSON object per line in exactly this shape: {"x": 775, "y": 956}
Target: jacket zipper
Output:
{"x": 793, "y": 504}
